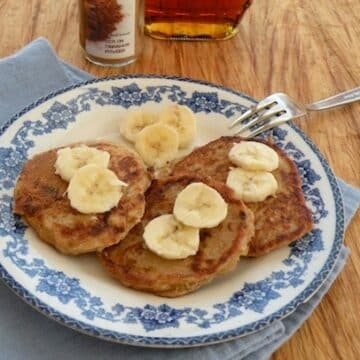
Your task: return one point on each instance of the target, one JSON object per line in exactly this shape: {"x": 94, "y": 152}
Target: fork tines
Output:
{"x": 272, "y": 111}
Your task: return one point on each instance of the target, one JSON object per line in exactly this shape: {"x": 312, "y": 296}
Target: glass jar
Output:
{"x": 111, "y": 31}
{"x": 193, "y": 19}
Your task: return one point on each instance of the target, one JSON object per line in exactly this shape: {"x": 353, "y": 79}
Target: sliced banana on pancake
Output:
{"x": 201, "y": 206}
{"x": 134, "y": 122}
{"x": 170, "y": 239}
{"x": 157, "y": 144}
{"x": 252, "y": 155}
{"x": 69, "y": 160}
{"x": 183, "y": 120}
{"x": 252, "y": 186}
{"x": 94, "y": 189}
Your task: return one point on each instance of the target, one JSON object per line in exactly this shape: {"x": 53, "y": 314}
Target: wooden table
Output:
{"x": 308, "y": 49}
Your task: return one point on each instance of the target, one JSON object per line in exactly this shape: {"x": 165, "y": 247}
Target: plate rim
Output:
{"x": 190, "y": 341}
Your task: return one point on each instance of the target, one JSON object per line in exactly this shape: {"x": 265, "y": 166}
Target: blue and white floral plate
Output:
{"x": 77, "y": 292}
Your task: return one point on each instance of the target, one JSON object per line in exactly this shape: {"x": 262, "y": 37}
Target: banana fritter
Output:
{"x": 279, "y": 219}
{"x": 40, "y": 198}
{"x": 220, "y": 247}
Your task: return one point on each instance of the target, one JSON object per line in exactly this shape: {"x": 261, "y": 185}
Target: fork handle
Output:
{"x": 340, "y": 99}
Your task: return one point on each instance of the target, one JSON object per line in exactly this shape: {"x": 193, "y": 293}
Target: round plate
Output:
{"x": 77, "y": 292}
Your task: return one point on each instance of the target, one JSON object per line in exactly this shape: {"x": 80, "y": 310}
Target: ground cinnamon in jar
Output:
{"x": 111, "y": 30}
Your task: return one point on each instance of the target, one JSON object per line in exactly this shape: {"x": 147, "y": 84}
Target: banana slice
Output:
{"x": 170, "y": 239}
{"x": 252, "y": 155}
{"x": 183, "y": 120}
{"x": 69, "y": 160}
{"x": 201, "y": 206}
{"x": 134, "y": 122}
{"x": 157, "y": 144}
{"x": 252, "y": 186}
{"x": 94, "y": 189}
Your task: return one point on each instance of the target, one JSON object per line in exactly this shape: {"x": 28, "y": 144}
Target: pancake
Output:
{"x": 40, "y": 197}
{"x": 220, "y": 247}
{"x": 280, "y": 219}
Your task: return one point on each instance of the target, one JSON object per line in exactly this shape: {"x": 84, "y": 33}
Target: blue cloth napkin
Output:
{"x": 26, "y": 334}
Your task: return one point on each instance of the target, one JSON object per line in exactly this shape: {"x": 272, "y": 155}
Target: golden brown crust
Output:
{"x": 137, "y": 267}
{"x": 280, "y": 219}
{"x": 40, "y": 198}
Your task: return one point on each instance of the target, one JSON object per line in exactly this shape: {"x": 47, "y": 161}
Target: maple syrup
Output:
{"x": 193, "y": 19}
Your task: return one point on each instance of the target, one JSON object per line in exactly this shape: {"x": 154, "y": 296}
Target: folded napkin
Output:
{"x": 36, "y": 71}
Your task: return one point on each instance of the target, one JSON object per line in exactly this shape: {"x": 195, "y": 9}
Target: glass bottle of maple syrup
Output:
{"x": 193, "y": 19}
{"x": 111, "y": 31}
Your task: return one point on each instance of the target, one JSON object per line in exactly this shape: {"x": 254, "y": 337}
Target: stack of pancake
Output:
{"x": 249, "y": 229}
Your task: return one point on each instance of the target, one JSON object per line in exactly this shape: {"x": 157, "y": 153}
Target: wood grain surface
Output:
{"x": 308, "y": 49}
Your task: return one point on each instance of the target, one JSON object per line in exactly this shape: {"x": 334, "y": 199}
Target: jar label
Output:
{"x": 114, "y": 37}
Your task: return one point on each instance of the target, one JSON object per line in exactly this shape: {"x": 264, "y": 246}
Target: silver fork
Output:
{"x": 279, "y": 108}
